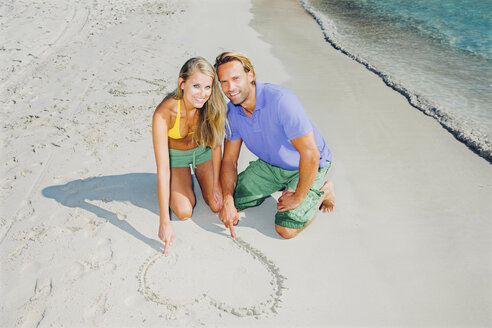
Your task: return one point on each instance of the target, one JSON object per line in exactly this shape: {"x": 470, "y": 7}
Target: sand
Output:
{"x": 409, "y": 244}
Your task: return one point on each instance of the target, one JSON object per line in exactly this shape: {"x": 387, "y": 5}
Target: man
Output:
{"x": 292, "y": 154}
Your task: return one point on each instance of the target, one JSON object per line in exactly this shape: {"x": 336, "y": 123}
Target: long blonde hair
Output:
{"x": 213, "y": 115}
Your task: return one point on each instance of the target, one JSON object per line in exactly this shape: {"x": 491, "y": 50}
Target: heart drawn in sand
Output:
{"x": 254, "y": 288}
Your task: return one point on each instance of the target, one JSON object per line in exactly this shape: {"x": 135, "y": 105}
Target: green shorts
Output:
{"x": 195, "y": 156}
{"x": 261, "y": 179}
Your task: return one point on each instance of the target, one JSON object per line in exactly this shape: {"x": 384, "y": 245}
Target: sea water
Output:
{"x": 438, "y": 53}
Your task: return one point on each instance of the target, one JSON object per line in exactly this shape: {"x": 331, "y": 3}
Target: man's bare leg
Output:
{"x": 326, "y": 204}
{"x": 328, "y": 201}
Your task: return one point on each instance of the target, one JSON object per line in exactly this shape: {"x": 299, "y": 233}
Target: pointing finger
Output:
{"x": 166, "y": 246}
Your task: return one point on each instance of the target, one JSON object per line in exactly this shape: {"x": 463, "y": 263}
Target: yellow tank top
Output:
{"x": 174, "y": 132}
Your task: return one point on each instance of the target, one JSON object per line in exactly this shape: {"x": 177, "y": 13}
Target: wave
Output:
{"x": 475, "y": 139}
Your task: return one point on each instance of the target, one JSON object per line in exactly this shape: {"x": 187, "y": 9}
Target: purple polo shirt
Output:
{"x": 278, "y": 118}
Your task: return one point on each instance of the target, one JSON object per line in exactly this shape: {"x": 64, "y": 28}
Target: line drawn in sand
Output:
{"x": 137, "y": 85}
{"x": 270, "y": 305}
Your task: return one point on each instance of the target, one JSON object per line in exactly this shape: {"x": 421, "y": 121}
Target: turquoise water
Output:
{"x": 465, "y": 25}
{"x": 437, "y": 53}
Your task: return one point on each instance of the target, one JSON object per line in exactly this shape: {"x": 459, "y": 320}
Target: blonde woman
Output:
{"x": 188, "y": 128}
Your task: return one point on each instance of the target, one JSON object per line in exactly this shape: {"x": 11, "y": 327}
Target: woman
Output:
{"x": 188, "y": 128}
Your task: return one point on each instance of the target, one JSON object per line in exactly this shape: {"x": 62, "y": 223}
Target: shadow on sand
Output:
{"x": 140, "y": 189}
{"x": 137, "y": 188}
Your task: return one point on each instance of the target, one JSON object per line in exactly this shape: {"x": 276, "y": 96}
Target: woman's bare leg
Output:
{"x": 205, "y": 176}
{"x": 182, "y": 198}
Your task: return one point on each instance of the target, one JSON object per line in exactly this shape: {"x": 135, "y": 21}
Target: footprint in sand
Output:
{"x": 136, "y": 85}
{"x": 97, "y": 258}
{"x": 36, "y": 236}
{"x": 253, "y": 286}
{"x": 97, "y": 310}
{"x": 33, "y": 311}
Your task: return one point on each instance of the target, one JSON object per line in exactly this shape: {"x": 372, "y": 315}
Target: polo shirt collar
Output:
{"x": 260, "y": 99}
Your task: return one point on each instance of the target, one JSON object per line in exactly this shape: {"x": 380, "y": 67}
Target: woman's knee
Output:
{"x": 210, "y": 201}
{"x": 214, "y": 207}
{"x": 183, "y": 213}
{"x": 183, "y": 210}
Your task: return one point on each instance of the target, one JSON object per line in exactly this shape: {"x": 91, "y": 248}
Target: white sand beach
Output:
{"x": 409, "y": 244}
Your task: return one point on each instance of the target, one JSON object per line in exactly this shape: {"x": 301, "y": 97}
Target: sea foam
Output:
{"x": 450, "y": 84}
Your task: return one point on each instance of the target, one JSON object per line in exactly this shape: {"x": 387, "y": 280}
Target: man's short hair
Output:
{"x": 229, "y": 56}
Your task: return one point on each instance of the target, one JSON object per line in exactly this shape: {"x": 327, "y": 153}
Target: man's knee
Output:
{"x": 287, "y": 233}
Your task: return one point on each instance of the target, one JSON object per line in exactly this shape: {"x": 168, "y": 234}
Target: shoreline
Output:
{"x": 478, "y": 143}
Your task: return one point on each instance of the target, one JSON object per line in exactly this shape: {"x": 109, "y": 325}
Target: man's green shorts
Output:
{"x": 261, "y": 179}
{"x": 195, "y": 156}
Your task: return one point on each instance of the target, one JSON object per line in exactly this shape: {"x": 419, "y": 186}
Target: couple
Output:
{"x": 189, "y": 125}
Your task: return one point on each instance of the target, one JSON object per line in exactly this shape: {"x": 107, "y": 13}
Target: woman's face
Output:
{"x": 196, "y": 89}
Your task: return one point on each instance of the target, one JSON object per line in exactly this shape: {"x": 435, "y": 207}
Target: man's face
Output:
{"x": 235, "y": 82}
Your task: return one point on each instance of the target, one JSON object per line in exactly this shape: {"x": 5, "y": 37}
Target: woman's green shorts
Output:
{"x": 195, "y": 156}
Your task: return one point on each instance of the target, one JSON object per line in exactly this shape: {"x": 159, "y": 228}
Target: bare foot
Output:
{"x": 328, "y": 198}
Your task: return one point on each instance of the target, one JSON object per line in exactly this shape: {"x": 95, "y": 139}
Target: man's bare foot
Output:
{"x": 328, "y": 198}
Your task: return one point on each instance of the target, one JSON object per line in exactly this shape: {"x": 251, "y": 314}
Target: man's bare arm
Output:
{"x": 228, "y": 177}
{"x": 308, "y": 169}
{"x": 228, "y": 170}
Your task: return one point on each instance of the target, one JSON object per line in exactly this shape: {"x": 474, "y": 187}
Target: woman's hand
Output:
{"x": 217, "y": 193}
{"x": 166, "y": 234}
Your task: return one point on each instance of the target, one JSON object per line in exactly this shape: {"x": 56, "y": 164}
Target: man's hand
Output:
{"x": 288, "y": 201}
{"x": 166, "y": 234}
{"x": 228, "y": 215}
{"x": 228, "y": 178}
